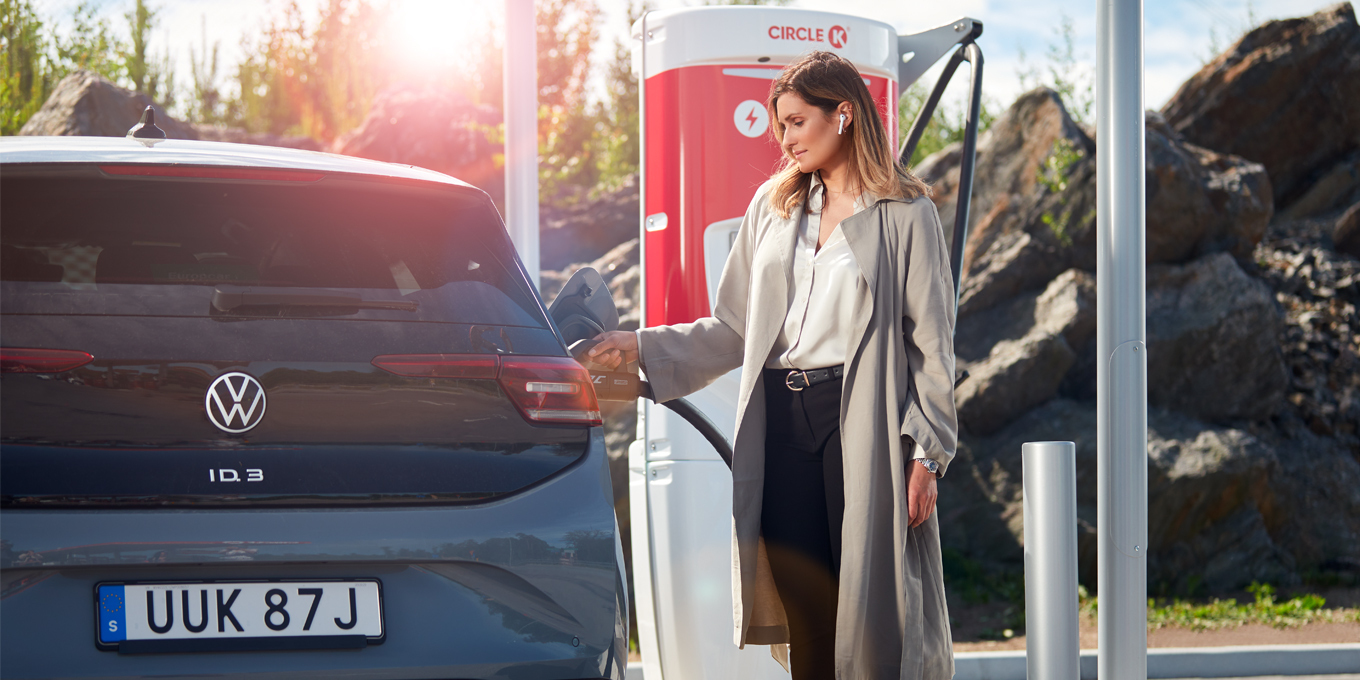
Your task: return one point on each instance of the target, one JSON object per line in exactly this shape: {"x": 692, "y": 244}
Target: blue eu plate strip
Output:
{"x": 112, "y": 614}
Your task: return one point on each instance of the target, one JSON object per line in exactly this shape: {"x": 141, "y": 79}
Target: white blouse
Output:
{"x": 816, "y": 329}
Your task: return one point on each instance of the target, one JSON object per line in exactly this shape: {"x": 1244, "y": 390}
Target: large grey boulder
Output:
{"x": 1226, "y": 506}
{"x": 1346, "y": 233}
{"x": 1009, "y": 156}
{"x": 1067, "y": 306}
{"x": 1201, "y": 201}
{"x": 585, "y": 230}
{"x": 1285, "y": 96}
{"x": 432, "y": 128}
{"x": 87, "y": 104}
{"x": 1018, "y": 353}
{"x": 1025, "y": 232}
{"x": 1213, "y": 338}
{"x": 1017, "y": 376}
{"x": 1207, "y": 488}
{"x": 1010, "y": 249}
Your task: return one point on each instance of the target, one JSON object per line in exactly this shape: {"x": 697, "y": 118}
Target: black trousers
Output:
{"x": 801, "y": 512}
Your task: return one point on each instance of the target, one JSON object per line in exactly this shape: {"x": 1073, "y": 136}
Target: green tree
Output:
{"x": 140, "y": 21}
{"x": 1070, "y": 78}
{"x": 566, "y": 34}
{"x": 946, "y": 127}
{"x": 618, "y": 127}
{"x": 317, "y": 81}
{"x": 27, "y": 78}
{"x": 90, "y": 45}
{"x": 207, "y": 106}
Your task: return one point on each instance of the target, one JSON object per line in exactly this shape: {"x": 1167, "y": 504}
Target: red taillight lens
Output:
{"x": 439, "y": 365}
{"x": 544, "y": 389}
{"x": 15, "y": 360}
{"x": 209, "y": 172}
{"x": 550, "y": 390}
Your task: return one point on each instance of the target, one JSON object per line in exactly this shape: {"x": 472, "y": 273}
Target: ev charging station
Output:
{"x": 705, "y": 74}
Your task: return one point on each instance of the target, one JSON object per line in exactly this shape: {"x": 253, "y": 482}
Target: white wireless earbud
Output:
{"x": 842, "y": 128}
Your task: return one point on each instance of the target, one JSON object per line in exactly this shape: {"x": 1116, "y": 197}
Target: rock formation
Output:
{"x": 430, "y": 128}
{"x": 1213, "y": 337}
{"x": 1285, "y": 96}
{"x": 87, "y": 104}
{"x": 1254, "y": 362}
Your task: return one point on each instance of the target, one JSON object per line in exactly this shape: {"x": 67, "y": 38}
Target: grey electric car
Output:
{"x": 287, "y": 414}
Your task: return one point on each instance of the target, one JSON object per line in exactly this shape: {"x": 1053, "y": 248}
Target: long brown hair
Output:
{"x": 824, "y": 80}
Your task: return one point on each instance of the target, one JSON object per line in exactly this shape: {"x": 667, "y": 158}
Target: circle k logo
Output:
{"x": 836, "y": 36}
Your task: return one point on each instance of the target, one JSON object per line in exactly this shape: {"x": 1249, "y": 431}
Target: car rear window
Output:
{"x": 340, "y": 247}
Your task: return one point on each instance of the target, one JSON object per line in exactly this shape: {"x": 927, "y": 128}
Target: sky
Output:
{"x": 1177, "y": 33}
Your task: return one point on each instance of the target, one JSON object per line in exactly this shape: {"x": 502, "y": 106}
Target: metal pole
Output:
{"x": 1053, "y": 650}
{"x": 521, "y": 132}
{"x": 1120, "y": 333}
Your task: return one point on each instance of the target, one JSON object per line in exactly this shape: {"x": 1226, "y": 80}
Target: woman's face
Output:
{"x": 810, "y": 134}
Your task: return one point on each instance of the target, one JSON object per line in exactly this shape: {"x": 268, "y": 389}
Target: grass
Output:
{"x": 1229, "y": 613}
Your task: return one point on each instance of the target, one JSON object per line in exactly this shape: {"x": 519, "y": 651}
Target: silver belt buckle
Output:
{"x": 788, "y": 380}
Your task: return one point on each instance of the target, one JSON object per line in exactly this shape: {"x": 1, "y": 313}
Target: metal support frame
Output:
{"x": 1050, "y": 500}
{"x": 521, "y": 132}
{"x": 1121, "y": 375}
{"x": 968, "y": 51}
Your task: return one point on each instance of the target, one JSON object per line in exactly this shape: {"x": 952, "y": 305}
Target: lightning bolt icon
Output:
{"x": 752, "y": 119}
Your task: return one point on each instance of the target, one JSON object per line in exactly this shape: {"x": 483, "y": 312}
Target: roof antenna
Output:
{"x": 146, "y": 127}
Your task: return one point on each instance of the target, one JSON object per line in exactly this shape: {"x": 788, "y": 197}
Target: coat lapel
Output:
{"x": 770, "y": 316}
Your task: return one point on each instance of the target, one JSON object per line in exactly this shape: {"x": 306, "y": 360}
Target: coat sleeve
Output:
{"x": 928, "y": 331}
{"x": 684, "y": 358}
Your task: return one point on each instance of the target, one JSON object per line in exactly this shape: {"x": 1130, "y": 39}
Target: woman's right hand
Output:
{"x": 616, "y": 349}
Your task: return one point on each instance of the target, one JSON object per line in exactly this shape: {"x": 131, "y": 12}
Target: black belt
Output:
{"x": 798, "y": 380}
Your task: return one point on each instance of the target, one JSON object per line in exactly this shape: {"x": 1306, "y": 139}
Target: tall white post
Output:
{"x": 1121, "y": 375}
{"x": 521, "y": 132}
{"x": 1053, "y": 651}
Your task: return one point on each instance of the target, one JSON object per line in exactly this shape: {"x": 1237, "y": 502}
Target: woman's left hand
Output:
{"x": 920, "y": 493}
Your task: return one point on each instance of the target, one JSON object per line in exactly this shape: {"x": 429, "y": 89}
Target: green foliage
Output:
{"x": 946, "y": 127}
{"x": 207, "y": 106}
{"x": 1231, "y": 26}
{"x": 976, "y": 585}
{"x": 90, "y": 45}
{"x": 38, "y": 56}
{"x": 1053, "y": 175}
{"x": 567, "y": 32}
{"x": 618, "y": 130}
{"x": 1227, "y": 613}
{"x": 317, "y": 80}
{"x": 28, "y": 76}
{"x": 1073, "y": 81}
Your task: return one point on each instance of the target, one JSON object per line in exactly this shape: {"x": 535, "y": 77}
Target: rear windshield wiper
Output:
{"x": 266, "y": 300}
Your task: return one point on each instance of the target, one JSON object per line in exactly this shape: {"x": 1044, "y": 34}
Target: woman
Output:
{"x": 837, "y": 303}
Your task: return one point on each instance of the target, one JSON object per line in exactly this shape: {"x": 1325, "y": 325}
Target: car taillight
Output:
{"x": 16, "y": 360}
{"x": 439, "y": 365}
{"x": 544, "y": 389}
{"x": 550, "y": 389}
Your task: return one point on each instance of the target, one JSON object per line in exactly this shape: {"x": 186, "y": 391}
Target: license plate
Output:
{"x": 238, "y": 616}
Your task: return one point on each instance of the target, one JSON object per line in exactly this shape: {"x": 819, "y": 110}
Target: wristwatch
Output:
{"x": 928, "y": 464}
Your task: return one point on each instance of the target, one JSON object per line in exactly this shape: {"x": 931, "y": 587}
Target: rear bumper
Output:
{"x": 530, "y": 586}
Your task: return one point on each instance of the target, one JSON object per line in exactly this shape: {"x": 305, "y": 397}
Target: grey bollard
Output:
{"x": 1053, "y": 647}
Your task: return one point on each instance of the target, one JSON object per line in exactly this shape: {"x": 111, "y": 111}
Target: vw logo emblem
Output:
{"x": 235, "y": 402}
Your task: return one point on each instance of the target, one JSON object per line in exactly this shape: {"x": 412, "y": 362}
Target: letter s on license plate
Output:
{"x": 238, "y": 616}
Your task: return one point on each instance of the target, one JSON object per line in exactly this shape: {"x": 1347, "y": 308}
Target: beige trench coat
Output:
{"x": 891, "y": 621}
